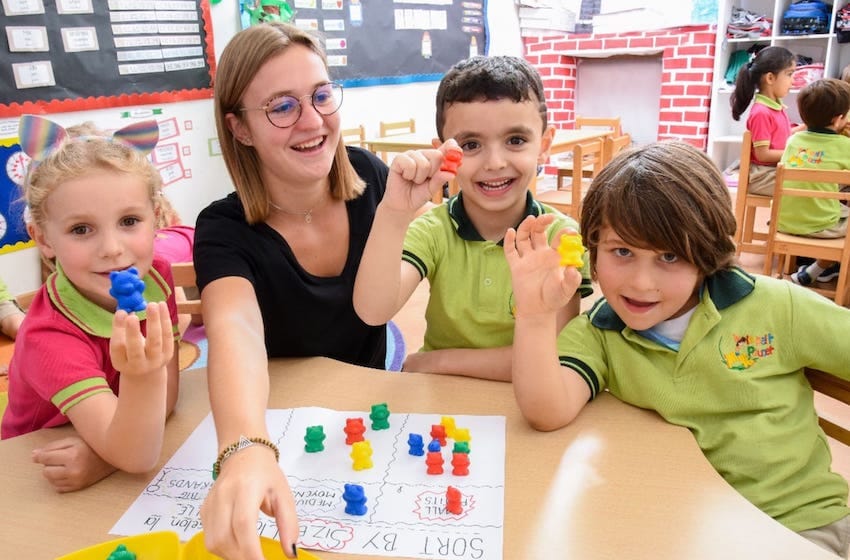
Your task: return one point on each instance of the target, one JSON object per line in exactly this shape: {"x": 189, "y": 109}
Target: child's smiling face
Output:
{"x": 95, "y": 224}
{"x": 644, "y": 286}
{"x": 503, "y": 142}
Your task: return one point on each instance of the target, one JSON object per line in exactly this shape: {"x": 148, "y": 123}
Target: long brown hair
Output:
{"x": 666, "y": 196}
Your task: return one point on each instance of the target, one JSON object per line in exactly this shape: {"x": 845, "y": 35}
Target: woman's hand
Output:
{"x": 249, "y": 481}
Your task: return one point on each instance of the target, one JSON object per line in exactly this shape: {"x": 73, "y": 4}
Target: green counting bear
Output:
{"x": 379, "y": 416}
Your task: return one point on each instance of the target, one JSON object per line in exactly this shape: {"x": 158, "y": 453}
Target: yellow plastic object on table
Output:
{"x": 571, "y": 250}
{"x": 165, "y": 545}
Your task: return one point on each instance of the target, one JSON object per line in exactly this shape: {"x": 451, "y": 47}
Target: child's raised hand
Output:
{"x": 540, "y": 283}
{"x": 416, "y": 174}
{"x": 134, "y": 354}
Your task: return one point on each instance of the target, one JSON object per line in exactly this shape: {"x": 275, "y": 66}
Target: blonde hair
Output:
{"x": 242, "y": 58}
{"x": 85, "y": 150}
{"x": 666, "y": 196}
{"x": 166, "y": 214}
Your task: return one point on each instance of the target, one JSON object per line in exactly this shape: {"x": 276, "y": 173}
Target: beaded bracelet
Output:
{"x": 240, "y": 445}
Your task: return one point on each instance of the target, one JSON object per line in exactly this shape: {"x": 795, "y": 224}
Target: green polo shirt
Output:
{"x": 737, "y": 384}
{"x": 471, "y": 297}
{"x": 813, "y": 149}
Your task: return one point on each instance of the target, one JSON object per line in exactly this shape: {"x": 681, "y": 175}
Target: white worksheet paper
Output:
{"x": 406, "y": 506}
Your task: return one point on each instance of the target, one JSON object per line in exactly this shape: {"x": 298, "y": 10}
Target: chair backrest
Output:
{"x": 744, "y": 166}
{"x": 784, "y": 245}
{"x": 611, "y": 123}
{"x": 184, "y": 277}
{"x": 393, "y": 128}
{"x": 747, "y": 239}
{"x": 591, "y": 154}
{"x": 614, "y": 145}
{"x": 25, "y": 299}
{"x": 835, "y": 388}
{"x": 355, "y": 136}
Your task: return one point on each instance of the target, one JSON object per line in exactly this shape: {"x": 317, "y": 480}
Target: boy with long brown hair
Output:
{"x": 683, "y": 331}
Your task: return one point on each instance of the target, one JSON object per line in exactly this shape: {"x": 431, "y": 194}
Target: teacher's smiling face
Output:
{"x": 302, "y": 151}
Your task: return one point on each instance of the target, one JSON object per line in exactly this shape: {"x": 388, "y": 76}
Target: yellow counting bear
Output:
{"x": 571, "y": 250}
{"x": 165, "y": 545}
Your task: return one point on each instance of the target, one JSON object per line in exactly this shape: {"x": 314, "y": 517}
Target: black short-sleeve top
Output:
{"x": 303, "y": 315}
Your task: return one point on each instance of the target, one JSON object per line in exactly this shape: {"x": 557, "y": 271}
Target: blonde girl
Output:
{"x": 91, "y": 202}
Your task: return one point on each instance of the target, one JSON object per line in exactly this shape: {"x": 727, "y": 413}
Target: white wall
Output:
{"x": 195, "y": 127}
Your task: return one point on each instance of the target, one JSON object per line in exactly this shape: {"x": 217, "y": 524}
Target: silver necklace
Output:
{"x": 308, "y": 215}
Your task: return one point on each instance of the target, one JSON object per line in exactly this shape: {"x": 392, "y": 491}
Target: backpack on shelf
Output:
{"x": 806, "y": 17}
{"x": 842, "y": 24}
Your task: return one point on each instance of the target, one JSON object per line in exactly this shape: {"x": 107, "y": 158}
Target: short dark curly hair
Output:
{"x": 481, "y": 78}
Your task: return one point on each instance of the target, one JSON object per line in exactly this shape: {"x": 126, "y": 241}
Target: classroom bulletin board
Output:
{"x": 75, "y": 55}
{"x": 374, "y": 42}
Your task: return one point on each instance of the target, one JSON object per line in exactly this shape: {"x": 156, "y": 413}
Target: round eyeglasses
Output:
{"x": 285, "y": 110}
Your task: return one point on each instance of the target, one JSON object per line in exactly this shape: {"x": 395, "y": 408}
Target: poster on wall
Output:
{"x": 373, "y": 42}
{"x": 13, "y": 233}
{"x": 75, "y": 55}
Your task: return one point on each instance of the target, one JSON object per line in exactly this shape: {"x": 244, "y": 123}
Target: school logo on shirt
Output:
{"x": 746, "y": 350}
{"x": 804, "y": 157}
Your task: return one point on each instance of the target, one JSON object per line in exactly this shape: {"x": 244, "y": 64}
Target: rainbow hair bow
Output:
{"x": 39, "y": 137}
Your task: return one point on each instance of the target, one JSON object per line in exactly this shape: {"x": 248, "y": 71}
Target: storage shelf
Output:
{"x": 723, "y": 131}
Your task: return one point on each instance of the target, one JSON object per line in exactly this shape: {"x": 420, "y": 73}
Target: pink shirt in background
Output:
{"x": 770, "y": 126}
{"x": 175, "y": 243}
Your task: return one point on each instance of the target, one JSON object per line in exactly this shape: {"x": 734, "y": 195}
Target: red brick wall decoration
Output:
{"x": 687, "y": 74}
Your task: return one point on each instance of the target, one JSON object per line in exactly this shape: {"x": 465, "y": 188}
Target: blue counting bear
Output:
{"x": 355, "y": 500}
{"x": 127, "y": 288}
{"x": 434, "y": 446}
{"x": 417, "y": 447}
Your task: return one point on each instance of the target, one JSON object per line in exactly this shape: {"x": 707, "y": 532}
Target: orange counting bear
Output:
{"x": 451, "y": 161}
{"x": 571, "y": 250}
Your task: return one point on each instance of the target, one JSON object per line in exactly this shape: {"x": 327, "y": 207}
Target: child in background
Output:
{"x": 91, "y": 200}
{"x": 823, "y": 106}
{"x": 771, "y": 71}
{"x": 174, "y": 242}
{"x": 684, "y": 332}
{"x": 11, "y": 315}
{"x": 494, "y": 108}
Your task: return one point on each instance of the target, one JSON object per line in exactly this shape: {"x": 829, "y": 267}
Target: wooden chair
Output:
{"x": 568, "y": 199}
{"x": 24, "y": 300}
{"x": 355, "y": 136}
{"x": 785, "y": 246}
{"x": 565, "y": 168}
{"x": 836, "y": 388}
{"x": 748, "y": 240}
{"x": 184, "y": 277}
{"x": 613, "y": 145}
{"x": 394, "y": 128}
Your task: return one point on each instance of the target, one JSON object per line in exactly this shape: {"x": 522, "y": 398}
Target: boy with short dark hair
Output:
{"x": 494, "y": 109}
{"x": 684, "y": 332}
{"x": 823, "y": 106}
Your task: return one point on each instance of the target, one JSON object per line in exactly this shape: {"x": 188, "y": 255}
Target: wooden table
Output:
{"x": 564, "y": 141}
{"x": 617, "y": 484}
